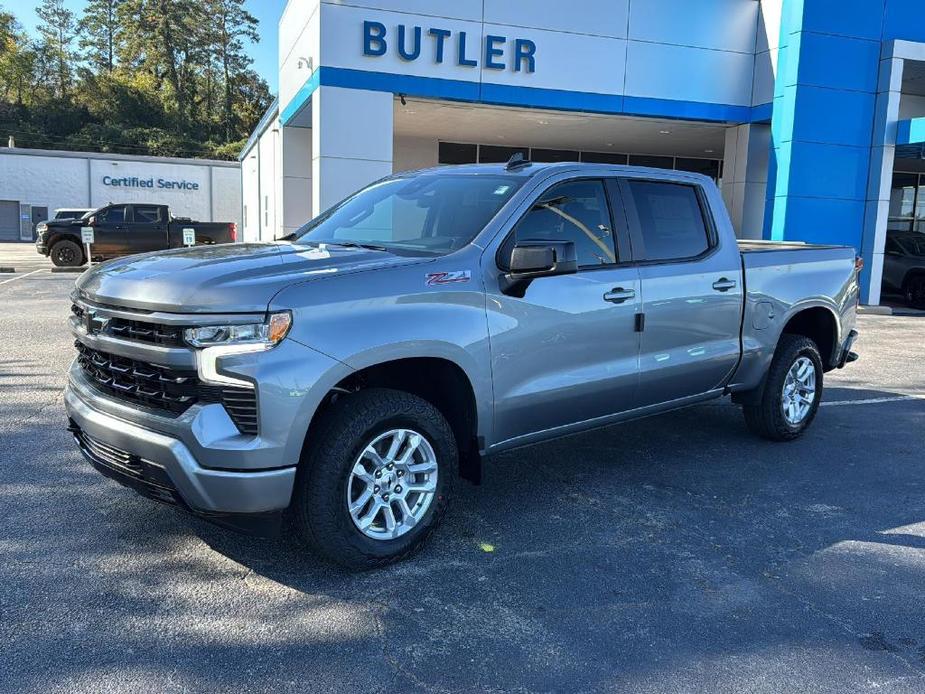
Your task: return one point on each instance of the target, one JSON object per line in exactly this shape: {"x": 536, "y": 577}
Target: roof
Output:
{"x": 68, "y": 154}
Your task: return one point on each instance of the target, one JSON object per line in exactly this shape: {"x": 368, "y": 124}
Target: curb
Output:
{"x": 875, "y": 311}
{"x": 69, "y": 269}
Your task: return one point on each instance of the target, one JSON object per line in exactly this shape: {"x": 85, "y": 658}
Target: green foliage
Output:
{"x": 159, "y": 77}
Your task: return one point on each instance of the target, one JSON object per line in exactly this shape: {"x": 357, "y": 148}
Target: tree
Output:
{"x": 231, "y": 24}
{"x": 56, "y": 47}
{"x": 100, "y": 34}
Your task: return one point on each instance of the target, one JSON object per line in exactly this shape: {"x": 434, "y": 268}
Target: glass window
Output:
{"x": 652, "y": 161}
{"x": 576, "y": 211}
{"x": 430, "y": 214}
{"x": 493, "y": 154}
{"x": 902, "y": 201}
{"x": 603, "y": 158}
{"x": 553, "y": 155}
{"x": 707, "y": 167}
{"x": 455, "y": 153}
{"x": 114, "y": 215}
{"x": 670, "y": 220}
{"x": 147, "y": 214}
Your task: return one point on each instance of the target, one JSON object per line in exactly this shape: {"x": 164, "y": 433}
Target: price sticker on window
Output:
{"x": 86, "y": 235}
{"x": 189, "y": 237}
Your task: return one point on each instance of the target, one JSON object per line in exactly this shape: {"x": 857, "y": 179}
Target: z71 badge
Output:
{"x": 438, "y": 278}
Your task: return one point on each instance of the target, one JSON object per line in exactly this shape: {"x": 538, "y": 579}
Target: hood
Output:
{"x": 227, "y": 278}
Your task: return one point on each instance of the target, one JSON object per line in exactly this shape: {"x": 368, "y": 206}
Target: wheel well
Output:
{"x": 818, "y": 324}
{"x": 439, "y": 381}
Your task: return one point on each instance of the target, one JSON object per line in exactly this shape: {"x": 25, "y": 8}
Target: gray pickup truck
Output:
{"x": 342, "y": 380}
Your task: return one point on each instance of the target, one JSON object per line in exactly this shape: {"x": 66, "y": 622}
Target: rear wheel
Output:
{"x": 915, "y": 291}
{"x": 66, "y": 253}
{"x": 792, "y": 391}
{"x": 375, "y": 481}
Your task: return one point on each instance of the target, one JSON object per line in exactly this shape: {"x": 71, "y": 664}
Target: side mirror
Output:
{"x": 531, "y": 260}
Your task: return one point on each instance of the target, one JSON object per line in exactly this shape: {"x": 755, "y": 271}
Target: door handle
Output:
{"x": 724, "y": 285}
{"x": 618, "y": 295}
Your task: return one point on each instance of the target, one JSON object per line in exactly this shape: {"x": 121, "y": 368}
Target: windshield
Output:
{"x": 431, "y": 214}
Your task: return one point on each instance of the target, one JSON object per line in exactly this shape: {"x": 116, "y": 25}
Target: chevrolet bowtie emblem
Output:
{"x": 95, "y": 324}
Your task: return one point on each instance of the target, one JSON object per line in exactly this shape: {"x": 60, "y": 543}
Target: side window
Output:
{"x": 114, "y": 215}
{"x": 670, "y": 220}
{"x": 576, "y": 211}
{"x": 147, "y": 214}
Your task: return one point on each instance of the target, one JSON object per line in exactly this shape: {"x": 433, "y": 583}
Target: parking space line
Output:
{"x": 872, "y": 401}
{"x": 28, "y": 274}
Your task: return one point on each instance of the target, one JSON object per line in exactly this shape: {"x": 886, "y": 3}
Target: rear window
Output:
{"x": 670, "y": 220}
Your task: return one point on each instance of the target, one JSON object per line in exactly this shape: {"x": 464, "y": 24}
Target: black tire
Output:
{"x": 915, "y": 291}
{"x": 319, "y": 510}
{"x": 766, "y": 417}
{"x": 66, "y": 253}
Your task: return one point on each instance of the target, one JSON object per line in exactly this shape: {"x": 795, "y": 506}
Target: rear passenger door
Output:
{"x": 146, "y": 230}
{"x": 691, "y": 290}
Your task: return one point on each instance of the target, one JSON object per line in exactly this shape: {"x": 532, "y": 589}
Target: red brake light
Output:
{"x": 233, "y": 230}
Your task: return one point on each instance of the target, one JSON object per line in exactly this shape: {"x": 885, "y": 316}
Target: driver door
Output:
{"x": 566, "y": 353}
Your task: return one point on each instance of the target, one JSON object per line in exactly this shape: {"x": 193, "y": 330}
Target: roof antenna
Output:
{"x": 517, "y": 161}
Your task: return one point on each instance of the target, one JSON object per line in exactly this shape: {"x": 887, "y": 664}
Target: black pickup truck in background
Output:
{"x": 120, "y": 230}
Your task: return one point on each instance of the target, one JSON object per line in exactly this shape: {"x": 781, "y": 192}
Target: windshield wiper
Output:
{"x": 356, "y": 244}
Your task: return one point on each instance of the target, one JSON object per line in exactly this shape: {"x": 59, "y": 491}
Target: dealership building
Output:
{"x": 810, "y": 114}
{"x": 34, "y": 183}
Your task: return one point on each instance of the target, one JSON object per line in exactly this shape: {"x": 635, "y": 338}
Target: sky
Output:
{"x": 264, "y": 53}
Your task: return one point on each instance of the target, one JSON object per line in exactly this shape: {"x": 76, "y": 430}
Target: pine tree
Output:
{"x": 100, "y": 34}
{"x": 230, "y": 24}
{"x": 57, "y": 31}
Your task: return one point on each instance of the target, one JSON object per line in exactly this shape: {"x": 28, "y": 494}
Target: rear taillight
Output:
{"x": 233, "y": 231}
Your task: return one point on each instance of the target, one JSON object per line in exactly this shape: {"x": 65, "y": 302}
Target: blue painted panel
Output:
{"x": 837, "y": 62}
{"x": 833, "y": 116}
{"x": 641, "y": 106}
{"x": 824, "y": 171}
{"x": 904, "y": 20}
{"x": 301, "y": 98}
{"x": 411, "y": 85}
{"x": 550, "y": 98}
{"x": 819, "y": 220}
{"x": 910, "y": 132}
{"x": 857, "y": 18}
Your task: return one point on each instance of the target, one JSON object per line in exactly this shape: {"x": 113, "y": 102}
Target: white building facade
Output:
{"x": 804, "y": 111}
{"x": 34, "y": 183}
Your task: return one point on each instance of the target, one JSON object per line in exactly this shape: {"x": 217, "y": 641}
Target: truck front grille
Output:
{"x": 137, "y": 331}
{"x": 163, "y": 388}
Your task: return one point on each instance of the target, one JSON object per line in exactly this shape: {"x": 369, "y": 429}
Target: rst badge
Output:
{"x": 437, "y": 278}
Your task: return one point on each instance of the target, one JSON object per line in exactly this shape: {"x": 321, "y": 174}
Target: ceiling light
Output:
{"x": 664, "y": 132}
{"x": 709, "y": 151}
{"x": 543, "y": 122}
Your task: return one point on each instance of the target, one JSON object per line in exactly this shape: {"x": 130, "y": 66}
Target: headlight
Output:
{"x": 217, "y": 341}
{"x": 260, "y": 335}
{"x": 41, "y": 228}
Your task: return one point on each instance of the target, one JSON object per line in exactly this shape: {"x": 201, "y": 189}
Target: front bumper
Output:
{"x": 163, "y": 468}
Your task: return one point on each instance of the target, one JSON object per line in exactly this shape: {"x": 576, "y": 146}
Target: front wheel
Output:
{"x": 792, "y": 391}
{"x": 376, "y": 477}
{"x": 66, "y": 253}
{"x": 915, "y": 291}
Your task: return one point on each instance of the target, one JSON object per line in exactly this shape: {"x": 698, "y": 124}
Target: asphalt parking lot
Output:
{"x": 673, "y": 554}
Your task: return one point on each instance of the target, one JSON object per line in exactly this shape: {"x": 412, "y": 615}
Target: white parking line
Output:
{"x": 873, "y": 401}
{"x": 34, "y": 272}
